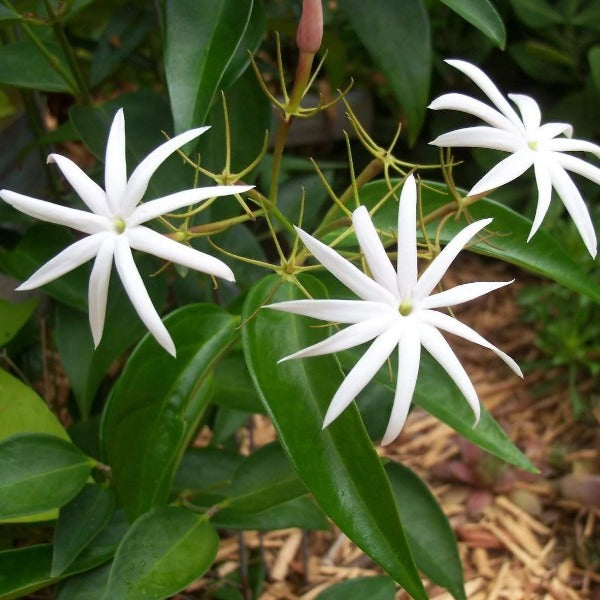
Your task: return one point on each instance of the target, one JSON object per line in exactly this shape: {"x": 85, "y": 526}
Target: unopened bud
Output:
{"x": 310, "y": 28}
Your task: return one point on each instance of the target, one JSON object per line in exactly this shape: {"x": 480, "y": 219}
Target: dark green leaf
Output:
{"x": 226, "y": 423}
{"x": 157, "y": 403}
{"x": 87, "y": 586}
{"x": 79, "y": 522}
{"x": 361, "y": 588}
{"x": 201, "y": 40}
{"x": 9, "y": 14}
{"x": 483, "y": 15}
{"x": 162, "y": 552}
{"x": 39, "y": 472}
{"x": 338, "y": 462}
{"x": 13, "y": 317}
{"x": 594, "y": 62}
{"x": 24, "y": 570}
{"x": 536, "y": 13}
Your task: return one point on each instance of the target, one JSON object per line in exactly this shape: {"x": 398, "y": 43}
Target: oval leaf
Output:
{"x": 373, "y": 588}
{"x": 87, "y": 586}
{"x": 13, "y": 317}
{"x": 24, "y": 570}
{"x": 483, "y": 15}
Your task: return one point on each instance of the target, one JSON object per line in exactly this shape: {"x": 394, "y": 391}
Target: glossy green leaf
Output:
{"x": 163, "y": 551}
{"x": 13, "y": 317}
{"x": 39, "y": 472}
{"x": 24, "y": 570}
{"x": 86, "y": 586}
{"x": 157, "y": 403}
{"x": 397, "y": 36}
{"x": 79, "y": 522}
{"x": 265, "y": 478}
{"x": 201, "y": 39}
{"x": 431, "y": 539}
{"x": 483, "y": 15}
{"x": 361, "y": 588}
{"x": 338, "y": 462}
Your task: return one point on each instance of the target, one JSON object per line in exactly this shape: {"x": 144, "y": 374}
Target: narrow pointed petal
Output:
{"x": 374, "y": 252}
{"x": 160, "y": 206}
{"x": 529, "y": 109}
{"x": 89, "y": 191}
{"x": 115, "y": 163}
{"x": 335, "y": 311}
{"x": 574, "y": 204}
{"x": 135, "y": 289}
{"x": 550, "y": 130}
{"x": 409, "y": 357}
{"x": 352, "y": 336}
{"x": 138, "y": 182}
{"x": 576, "y": 165}
{"x": 433, "y": 341}
{"x": 570, "y": 145}
{"x": 145, "y": 239}
{"x": 439, "y": 265}
{"x": 544, "y": 186}
{"x": 454, "y": 326}
{"x": 55, "y": 213}
{"x": 480, "y": 137}
{"x": 506, "y": 170}
{"x": 477, "y": 108}
{"x": 362, "y": 372}
{"x": 461, "y": 293}
{"x": 407, "y": 238}
{"x": 70, "y": 258}
{"x": 98, "y": 288}
{"x": 488, "y": 87}
{"x": 354, "y": 279}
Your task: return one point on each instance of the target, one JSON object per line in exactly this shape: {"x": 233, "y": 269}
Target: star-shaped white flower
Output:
{"x": 395, "y": 309}
{"x": 115, "y": 227}
{"x": 529, "y": 142}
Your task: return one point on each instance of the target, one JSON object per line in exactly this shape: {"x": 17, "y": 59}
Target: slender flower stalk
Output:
{"x": 115, "y": 226}
{"x": 530, "y": 144}
{"x": 396, "y": 310}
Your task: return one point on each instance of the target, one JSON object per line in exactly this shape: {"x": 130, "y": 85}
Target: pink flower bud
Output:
{"x": 310, "y": 28}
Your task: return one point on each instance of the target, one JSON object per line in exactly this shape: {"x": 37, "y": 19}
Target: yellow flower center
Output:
{"x": 119, "y": 225}
{"x": 533, "y": 144}
{"x": 405, "y": 308}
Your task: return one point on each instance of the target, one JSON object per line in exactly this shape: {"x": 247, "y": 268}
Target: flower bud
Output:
{"x": 310, "y": 27}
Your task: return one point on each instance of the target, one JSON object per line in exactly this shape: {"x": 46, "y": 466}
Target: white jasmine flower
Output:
{"x": 395, "y": 309}
{"x": 115, "y": 227}
{"x": 529, "y": 142}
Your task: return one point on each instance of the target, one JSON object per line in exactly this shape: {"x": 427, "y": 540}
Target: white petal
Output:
{"x": 574, "y": 204}
{"x": 55, "y": 213}
{"x": 134, "y": 286}
{"x": 160, "y": 206}
{"x": 461, "y": 293}
{"x": 89, "y": 191}
{"x": 480, "y": 137}
{"x": 439, "y": 265}
{"x": 570, "y": 145}
{"x": 362, "y": 372}
{"x": 145, "y": 239}
{"x": 115, "y": 163}
{"x": 407, "y": 238}
{"x": 409, "y": 356}
{"x": 433, "y": 341}
{"x": 576, "y": 165}
{"x": 544, "y": 186}
{"x": 506, "y": 170}
{"x": 98, "y": 288}
{"x": 335, "y": 311}
{"x": 352, "y": 336}
{"x": 477, "y": 108}
{"x": 374, "y": 252}
{"x": 550, "y": 130}
{"x": 354, "y": 279}
{"x": 138, "y": 182}
{"x": 454, "y": 326}
{"x": 70, "y": 258}
{"x": 488, "y": 87}
{"x": 529, "y": 109}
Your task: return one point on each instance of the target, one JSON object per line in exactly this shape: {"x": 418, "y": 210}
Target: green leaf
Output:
{"x": 24, "y": 570}
{"x": 157, "y": 403}
{"x": 361, "y": 588}
{"x": 594, "y": 62}
{"x": 163, "y": 551}
{"x": 335, "y": 463}
{"x": 429, "y": 533}
{"x": 483, "y": 15}
{"x": 9, "y": 14}
{"x": 78, "y": 524}
{"x": 87, "y": 586}
{"x": 397, "y": 36}
{"x": 265, "y": 479}
{"x": 201, "y": 40}
{"x": 538, "y": 14}
{"x": 39, "y": 472}
{"x": 13, "y": 317}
